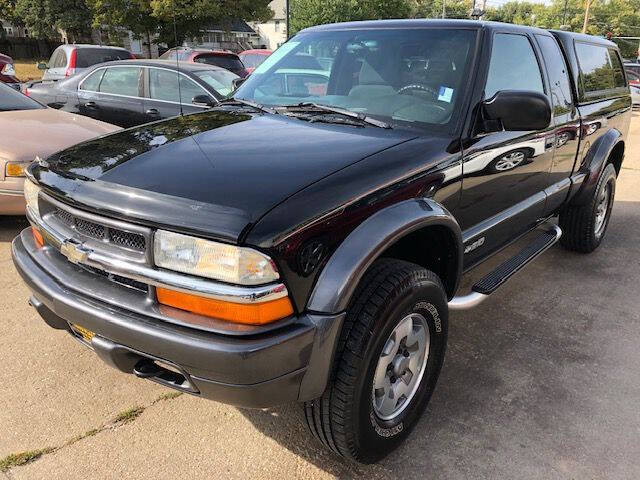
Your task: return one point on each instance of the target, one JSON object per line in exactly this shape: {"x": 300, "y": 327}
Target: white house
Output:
{"x": 274, "y": 32}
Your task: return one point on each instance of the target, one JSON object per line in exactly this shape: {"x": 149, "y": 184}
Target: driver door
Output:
{"x": 505, "y": 174}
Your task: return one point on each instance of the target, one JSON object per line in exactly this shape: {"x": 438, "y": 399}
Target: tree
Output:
{"x": 306, "y": 13}
{"x": 44, "y": 18}
{"x": 433, "y": 8}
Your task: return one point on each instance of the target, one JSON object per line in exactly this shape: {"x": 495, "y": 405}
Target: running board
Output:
{"x": 490, "y": 283}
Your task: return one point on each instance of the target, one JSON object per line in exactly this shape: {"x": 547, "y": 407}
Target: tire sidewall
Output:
{"x": 608, "y": 177}
{"x": 427, "y": 298}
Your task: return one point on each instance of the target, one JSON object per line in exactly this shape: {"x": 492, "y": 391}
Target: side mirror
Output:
{"x": 42, "y": 66}
{"x": 203, "y": 101}
{"x": 236, "y": 82}
{"x": 518, "y": 110}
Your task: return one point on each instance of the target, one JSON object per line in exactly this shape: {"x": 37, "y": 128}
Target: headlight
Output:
{"x": 15, "y": 169}
{"x": 31, "y": 191}
{"x": 227, "y": 263}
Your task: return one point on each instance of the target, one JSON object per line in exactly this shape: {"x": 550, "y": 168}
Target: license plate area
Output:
{"x": 82, "y": 334}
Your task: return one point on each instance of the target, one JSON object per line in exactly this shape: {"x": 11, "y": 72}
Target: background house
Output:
{"x": 236, "y": 37}
{"x": 274, "y": 32}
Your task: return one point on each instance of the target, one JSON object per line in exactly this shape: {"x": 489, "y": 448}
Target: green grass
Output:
{"x": 17, "y": 459}
{"x": 27, "y": 70}
{"x": 128, "y": 415}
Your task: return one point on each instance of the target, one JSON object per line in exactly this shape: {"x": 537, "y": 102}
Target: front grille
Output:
{"x": 127, "y": 282}
{"x": 121, "y": 238}
{"x": 134, "y": 241}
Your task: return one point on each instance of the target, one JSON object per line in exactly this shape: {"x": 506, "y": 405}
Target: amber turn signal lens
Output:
{"x": 38, "y": 237}
{"x": 244, "y": 313}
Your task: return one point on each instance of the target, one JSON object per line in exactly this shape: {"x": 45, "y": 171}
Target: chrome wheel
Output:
{"x": 401, "y": 366}
{"x": 509, "y": 161}
{"x": 602, "y": 209}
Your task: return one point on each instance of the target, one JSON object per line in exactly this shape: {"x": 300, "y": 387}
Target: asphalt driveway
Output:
{"x": 541, "y": 381}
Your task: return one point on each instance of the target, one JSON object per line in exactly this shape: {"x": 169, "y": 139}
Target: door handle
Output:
{"x": 91, "y": 105}
{"x": 152, "y": 111}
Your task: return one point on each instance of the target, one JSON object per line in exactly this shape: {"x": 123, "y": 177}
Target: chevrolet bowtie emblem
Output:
{"x": 74, "y": 251}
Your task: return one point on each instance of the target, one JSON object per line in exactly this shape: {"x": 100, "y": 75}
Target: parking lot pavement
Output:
{"x": 541, "y": 381}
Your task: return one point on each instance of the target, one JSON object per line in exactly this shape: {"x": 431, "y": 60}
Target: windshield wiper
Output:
{"x": 306, "y": 107}
{"x": 248, "y": 103}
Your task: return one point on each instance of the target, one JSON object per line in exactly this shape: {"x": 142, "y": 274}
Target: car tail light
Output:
{"x": 26, "y": 92}
{"x": 71, "y": 69}
{"x": 8, "y": 70}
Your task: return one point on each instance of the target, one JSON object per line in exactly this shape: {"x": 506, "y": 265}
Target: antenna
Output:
{"x": 175, "y": 39}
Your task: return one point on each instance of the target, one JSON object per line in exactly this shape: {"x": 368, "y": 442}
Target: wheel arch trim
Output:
{"x": 345, "y": 268}
{"x": 594, "y": 162}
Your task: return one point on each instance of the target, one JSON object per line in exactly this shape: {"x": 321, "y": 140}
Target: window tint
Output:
{"x": 92, "y": 82}
{"x": 513, "y": 65}
{"x": 252, "y": 60}
{"x": 558, "y": 74}
{"x": 163, "y": 85}
{"x": 121, "y": 80}
{"x": 88, "y": 57}
{"x": 618, "y": 74}
{"x": 224, "y": 61}
{"x": 595, "y": 67}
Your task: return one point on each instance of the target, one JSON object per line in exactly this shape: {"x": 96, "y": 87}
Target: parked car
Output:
{"x": 632, "y": 67}
{"x": 30, "y": 129}
{"x": 634, "y": 85}
{"x": 220, "y": 58}
{"x": 253, "y": 58}
{"x": 68, "y": 60}
{"x": 132, "y": 92}
{"x": 7, "y": 72}
{"x": 302, "y": 246}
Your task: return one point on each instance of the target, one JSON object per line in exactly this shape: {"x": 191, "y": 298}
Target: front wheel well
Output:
{"x": 434, "y": 248}
{"x": 616, "y": 156}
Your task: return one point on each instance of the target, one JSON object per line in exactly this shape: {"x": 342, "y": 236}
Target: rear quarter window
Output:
{"x": 600, "y": 71}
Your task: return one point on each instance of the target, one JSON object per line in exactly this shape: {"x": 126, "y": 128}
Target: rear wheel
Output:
{"x": 584, "y": 226}
{"x": 389, "y": 357}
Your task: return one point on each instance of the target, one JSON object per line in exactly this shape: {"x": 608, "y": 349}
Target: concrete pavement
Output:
{"x": 541, "y": 381}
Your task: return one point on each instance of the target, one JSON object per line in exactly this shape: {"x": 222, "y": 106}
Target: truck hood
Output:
{"x": 213, "y": 173}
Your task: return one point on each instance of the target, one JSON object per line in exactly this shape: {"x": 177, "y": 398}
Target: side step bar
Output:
{"x": 490, "y": 283}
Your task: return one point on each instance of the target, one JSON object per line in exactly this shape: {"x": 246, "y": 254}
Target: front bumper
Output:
{"x": 270, "y": 368}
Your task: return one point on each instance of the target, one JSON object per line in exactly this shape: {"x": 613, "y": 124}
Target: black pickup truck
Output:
{"x": 305, "y": 239}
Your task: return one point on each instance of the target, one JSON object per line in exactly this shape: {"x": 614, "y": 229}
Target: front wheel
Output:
{"x": 389, "y": 358}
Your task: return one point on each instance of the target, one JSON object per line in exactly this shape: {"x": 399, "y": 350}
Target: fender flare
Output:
{"x": 345, "y": 268}
{"x": 593, "y": 164}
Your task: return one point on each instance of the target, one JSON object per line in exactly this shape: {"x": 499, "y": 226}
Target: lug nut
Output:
{"x": 393, "y": 379}
{"x": 406, "y": 353}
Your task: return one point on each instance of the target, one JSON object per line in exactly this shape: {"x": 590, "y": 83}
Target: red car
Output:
{"x": 253, "y": 58}
{"x": 220, "y": 58}
{"x": 7, "y": 72}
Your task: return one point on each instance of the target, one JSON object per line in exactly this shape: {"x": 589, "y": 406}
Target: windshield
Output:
{"x": 11, "y": 99}
{"x": 225, "y": 61}
{"x": 220, "y": 80}
{"x": 88, "y": 57}
{"x": 252, "y": 60}
{"x": 405, "y": 77}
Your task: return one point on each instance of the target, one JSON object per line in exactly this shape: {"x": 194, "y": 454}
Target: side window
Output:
{"x": 92, "y": 82}
{"x": 121, "y": 81}
{"x": 61, "y": 60}
{"x": 163, "y": 85}
{"x": 513, "y": 65}
{"x": 558, "y": 74}
{"x": 618, "y": 74}
{"x": 596, "y": 71}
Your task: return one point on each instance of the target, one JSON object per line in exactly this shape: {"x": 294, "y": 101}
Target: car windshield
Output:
{"x": 11, "y": 100}
{"x": 252, "y": 60}
{"x": 405, "y": 77}
{"x": 86, "y": 57}
{"x": 220, "y": 80}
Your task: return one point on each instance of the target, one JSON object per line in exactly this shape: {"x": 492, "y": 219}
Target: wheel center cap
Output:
{"x": 400, "y": 364}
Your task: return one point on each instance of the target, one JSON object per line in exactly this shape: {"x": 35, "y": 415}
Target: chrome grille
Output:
{"x": 130, "y": 240}
{"x": 121, "y": 238}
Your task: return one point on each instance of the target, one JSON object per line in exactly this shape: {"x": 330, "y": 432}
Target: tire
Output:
{"x": 344, "y": 417}
{"x": 582, "y": 231}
